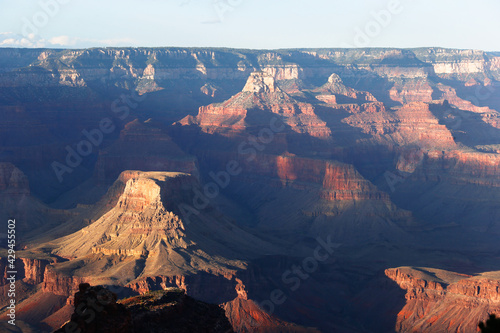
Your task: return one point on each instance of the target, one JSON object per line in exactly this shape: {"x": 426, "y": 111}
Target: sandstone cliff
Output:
{"x": 147, "y": 227}
{"x": 441, "y": 301}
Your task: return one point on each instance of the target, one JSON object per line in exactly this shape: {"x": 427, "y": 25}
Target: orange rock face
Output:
{"x": 441, "y": 301}
{"x": 246, "y": 316}
{"x": 417, "y": 90}
{"x": 412, "y": 124}
{"x": 31, "y": 271}
{"x": 34, "y": 270}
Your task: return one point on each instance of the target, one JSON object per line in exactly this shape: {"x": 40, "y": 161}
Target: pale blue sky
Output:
{"x": 250, "y": 23}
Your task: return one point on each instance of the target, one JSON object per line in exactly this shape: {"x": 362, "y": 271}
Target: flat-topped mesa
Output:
{"x": 260, "y": 82}
{"x": 146, "y": 189}
{"x": 442, "y": 301}
{"x": 153, "y": 221}
{"x": 139, "y": 222}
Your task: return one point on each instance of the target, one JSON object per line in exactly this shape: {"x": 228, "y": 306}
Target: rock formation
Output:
{"x": 245, "y": 162}
{"x": 442, "y": 301}
{"x": 336, "y": 92}
{"x": 154, "y": 230}
{"x": 247, "y": 109}
{"x": 97, "y": 310}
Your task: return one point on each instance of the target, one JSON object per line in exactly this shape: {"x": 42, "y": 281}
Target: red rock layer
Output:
{"x": 246, "y": 316}
{"x": 461, "y": 167}
{"x": 440, "y": 301}
{"x": 31, "y": 271}
{"x": 336, "y": 181}
{"x": 216, "y": 287}
{"x": 59, "y": 284}
{"x": 412, "y": 124}
{"x": 412, "y": 91}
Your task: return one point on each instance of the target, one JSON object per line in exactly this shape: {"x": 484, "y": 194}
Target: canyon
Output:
{"x": 306, "y": 190}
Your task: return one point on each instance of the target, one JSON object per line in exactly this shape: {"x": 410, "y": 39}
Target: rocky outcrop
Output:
{"x": 171, "y": 310}
{"x": 215, "y": 287}
{"x": 462, "y": 167}
{"x": 441, "y": 301}
{"x": 259, "y": 100}
{"x": 31, "y": 271}
{"x": 336, "y": 92}
{"x": 246, "y": 316}
{"x": 147, "y": 221}
{"x": 34, "y": 270}
{"x": 167, "y": 310}
{"x": 485, "y": 115}
{"x": 414, "y": 90}
{"x": 60, "y": 284}
{"x": 147, "y": 238}
{"x": 413, "y": 124}
{"x": 96, "y": 310}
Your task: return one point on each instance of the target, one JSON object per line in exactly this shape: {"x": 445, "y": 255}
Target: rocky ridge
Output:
{"x": 439, "y": 301}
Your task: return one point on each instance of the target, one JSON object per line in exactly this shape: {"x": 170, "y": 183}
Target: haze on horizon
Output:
{"x": 254, "y": 24}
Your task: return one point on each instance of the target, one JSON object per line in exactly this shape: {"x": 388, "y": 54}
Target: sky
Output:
{"x": 255, "y": 24}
